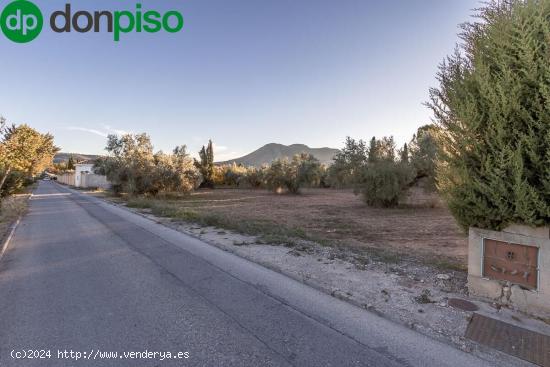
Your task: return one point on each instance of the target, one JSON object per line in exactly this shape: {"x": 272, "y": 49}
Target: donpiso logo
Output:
{"x": 21, "y": 21}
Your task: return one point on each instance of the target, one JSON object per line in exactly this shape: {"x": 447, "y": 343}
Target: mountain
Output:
{"x": 78, "y": 157}
{"x": 270, "y": 152}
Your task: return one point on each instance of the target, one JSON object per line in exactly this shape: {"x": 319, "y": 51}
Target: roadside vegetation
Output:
{"x": 302, "y": 170}
{"x": 329, "y": 217}
{"x": 379, "y": 172}
{"x": 487, "y": 153}
{"x": 274, "y": 202}
{"x": 64, "y": 166}
{"x": 11, "y": 208}
{"x": 133, "y": 168}
{"x": 24, "y": 154}
{"x": 493, "y": 110}
{"x": 206, "y": 165}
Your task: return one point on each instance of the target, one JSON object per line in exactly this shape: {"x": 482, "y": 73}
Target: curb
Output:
{"x": 10, "y": 235}
{"x": 314, "y": 285}
{"x": 482, "y": 352}
{"x": 13, "y": 227}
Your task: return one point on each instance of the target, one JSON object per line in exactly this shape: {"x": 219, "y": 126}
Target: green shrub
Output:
{"x": 347, "y": 162}
{"x": 303, "y": 170}
{"x": 324, "y": 177}
{"x": 384, "y": 183}
{"x": 234, "y": 174}
{"x": 15, "y": 181}
{"x": 381, "y": 150}
{"x": 24, "y": 152}
{"x": 278, "y": 175}
{"x": 133, "y": 168}
{"x": 253, "y": 178}
{"x": 493, "y": 110}
{"x": 373, "y": 171}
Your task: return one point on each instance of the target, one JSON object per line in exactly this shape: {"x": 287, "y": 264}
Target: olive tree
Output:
{"x": 132, "y": 167}
{"x": 303, "y": 170}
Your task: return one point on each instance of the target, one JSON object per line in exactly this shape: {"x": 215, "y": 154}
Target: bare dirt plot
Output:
{"x": 336, "y": 217}
{"x": 416, "y": 293}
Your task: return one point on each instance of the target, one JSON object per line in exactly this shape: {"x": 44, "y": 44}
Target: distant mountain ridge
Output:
{"x": 270, "y": 152}
{"x": 78, "y": 157}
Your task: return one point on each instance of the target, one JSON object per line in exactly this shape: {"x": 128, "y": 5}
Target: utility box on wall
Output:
{"x": 512, "y": 267}
{"x": 512, "y": 262}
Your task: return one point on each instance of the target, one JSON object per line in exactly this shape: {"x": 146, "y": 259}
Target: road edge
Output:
{"x": 482, "y": 352}
{"x": 11, "y": 232}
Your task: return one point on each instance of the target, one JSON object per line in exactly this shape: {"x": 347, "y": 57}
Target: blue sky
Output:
{"x": 242, "y": 72}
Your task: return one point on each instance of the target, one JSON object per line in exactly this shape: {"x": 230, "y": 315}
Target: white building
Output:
{"x": 79, "y": 169}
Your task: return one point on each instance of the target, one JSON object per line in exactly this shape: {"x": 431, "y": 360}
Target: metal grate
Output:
{"x": 522, "y": 343}
{"x": 462, "y": 304}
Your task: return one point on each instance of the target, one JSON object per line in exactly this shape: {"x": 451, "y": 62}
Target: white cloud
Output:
{"x": 85, "y": 129}
{"x": 103, "y": 132}
{"x": 219, "y": 148}
{"x": 227, "y": 156}
{"x": 114, "y": 131}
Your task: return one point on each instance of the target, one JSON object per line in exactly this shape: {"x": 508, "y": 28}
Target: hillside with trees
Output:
{"x": 77, "y": 157}
{"x": 271, "y": 152}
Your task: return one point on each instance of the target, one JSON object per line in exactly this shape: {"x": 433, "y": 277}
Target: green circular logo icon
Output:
{"x": 21, "y": 21}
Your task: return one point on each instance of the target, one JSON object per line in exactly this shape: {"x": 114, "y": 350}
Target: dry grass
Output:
{"x": 11, "y": 208}
{"x": 334, "y": 218}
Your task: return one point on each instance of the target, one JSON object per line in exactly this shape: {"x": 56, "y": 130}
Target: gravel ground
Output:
{"x": 408, "y": 292}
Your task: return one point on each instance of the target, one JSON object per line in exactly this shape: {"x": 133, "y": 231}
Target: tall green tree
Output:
{"x": 493, "y": 110}
{"x": 383, "y": 181}
{"x": 404, "y": 154}
{"x": 133, "y": 168}
{"x": 24, "y": 150}
{"x": 373, "y": 152}
{"x": 381, "y": 149}
{"x": 206, "y": 165}
{"x": 424, "y": 154}
{"x": 303, "y": 170}
{"x": 347, "y": 162}
{"x": 130, "y": 164}
{"x": 71, "y": 163}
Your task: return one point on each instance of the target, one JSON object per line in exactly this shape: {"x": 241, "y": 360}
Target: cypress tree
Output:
{"x": 493, "y": 110}
{"x": 70, "y": 163}
{"x": 374, "y": 150}
{"x": 404, "y": 154}
{"x": 206, "y": 164}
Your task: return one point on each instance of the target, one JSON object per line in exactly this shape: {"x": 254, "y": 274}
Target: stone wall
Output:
{"x": 66, "y": 178}
{"x": 90, "y": 180}
{"x": 87, "y": 180}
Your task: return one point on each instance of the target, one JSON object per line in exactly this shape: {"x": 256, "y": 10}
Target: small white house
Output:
{"x": 79, "y": 169}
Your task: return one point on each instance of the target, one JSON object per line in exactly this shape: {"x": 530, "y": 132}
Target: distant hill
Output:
{"x": 270, "y": 152}
{"x": 78, "y": 157}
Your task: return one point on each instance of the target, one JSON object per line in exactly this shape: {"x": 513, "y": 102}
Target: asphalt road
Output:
{"x": 85, "y": 276}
